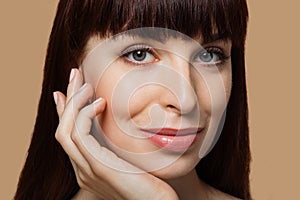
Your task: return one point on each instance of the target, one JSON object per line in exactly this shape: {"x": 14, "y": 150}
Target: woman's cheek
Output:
{"x": 142, "y": 103}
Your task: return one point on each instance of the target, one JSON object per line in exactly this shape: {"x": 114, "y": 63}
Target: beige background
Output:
{"x": 273, "y": 80}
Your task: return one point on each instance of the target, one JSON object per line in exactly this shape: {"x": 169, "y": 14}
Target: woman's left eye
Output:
{"x": 211, "y": 56}
{"x": 140, "y": 56}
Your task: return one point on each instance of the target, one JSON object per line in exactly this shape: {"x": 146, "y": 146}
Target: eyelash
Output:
{"x": 222, "y": 57}
{"x": 142, "y": 48}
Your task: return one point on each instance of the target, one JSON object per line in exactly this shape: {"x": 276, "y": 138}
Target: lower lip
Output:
{"x": 179, "y": 143}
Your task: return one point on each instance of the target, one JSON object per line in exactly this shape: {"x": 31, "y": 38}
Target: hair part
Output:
{"x": 48, "y": 173}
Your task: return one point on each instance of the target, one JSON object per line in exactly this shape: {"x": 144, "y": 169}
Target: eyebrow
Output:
{"x": 215, "y": 38}
{"x": 162, "y": 36}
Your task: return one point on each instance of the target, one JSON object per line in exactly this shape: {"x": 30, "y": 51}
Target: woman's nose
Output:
{"x": 181, "y": 97}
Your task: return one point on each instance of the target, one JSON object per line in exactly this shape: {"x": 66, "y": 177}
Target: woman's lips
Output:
{"x": 178, "y": 140}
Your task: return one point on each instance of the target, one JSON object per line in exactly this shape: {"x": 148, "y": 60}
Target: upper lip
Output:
{"x": 173, "y": 131}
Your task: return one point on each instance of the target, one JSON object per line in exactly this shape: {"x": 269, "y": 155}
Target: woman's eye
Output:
{"x": 211, "y": 56}
{"x": 140, "y": 56}
{"x": 208, "y": 57}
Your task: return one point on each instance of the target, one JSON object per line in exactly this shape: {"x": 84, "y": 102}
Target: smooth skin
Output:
{"x": 91, "y": 161}
{"x": 104, "y": 182}
{"x": 96, "y": 180}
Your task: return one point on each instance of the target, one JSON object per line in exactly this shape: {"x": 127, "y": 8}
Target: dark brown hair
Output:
{"x": 48, "y": 173}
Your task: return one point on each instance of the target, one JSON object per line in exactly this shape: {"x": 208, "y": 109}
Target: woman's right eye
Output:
{"x": 140, "y": 55}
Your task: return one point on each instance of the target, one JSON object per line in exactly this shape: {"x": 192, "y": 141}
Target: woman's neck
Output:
{"x": 190, "y": 187}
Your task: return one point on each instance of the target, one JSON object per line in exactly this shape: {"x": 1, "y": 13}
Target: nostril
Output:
{"x": 171, "y": 106}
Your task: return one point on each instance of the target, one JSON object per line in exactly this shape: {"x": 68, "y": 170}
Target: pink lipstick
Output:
{"x": 177, "y": 140}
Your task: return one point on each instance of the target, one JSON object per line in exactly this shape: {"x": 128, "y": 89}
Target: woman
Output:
{"x": 65, "y": 162}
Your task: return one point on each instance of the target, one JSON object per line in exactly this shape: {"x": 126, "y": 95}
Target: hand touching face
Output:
{"x": 164, "y": 98}
{"x": 89, "y": 159}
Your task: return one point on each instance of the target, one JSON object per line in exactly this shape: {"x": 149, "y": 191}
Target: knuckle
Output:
{"x": 58, "y": 135}
{"x": 81, "y": 184}
{"x": 74, "y": 135}
{"x": 83, "y": 179}
{"x": 90, "y": 174}
{"x": 99, "y": 172}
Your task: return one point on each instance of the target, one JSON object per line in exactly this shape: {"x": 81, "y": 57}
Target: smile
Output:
{"x": 176, "y": 140}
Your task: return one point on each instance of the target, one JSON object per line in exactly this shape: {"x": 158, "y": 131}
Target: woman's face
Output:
{"x": 164, "y": 98}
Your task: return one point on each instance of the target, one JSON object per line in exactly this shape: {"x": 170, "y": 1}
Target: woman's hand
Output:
{"x": 87, "y": 155}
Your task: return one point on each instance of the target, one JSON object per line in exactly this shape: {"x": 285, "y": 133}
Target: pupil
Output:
{"x": 206, "y": 57}
{"x": 139, "y": 55}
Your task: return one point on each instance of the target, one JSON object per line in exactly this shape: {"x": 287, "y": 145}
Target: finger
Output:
{"x": 86, "y": 143}
{"x": 89, "y": 147}
{"x": 75, "y": 82}
{"x": 77, "y": 160}
{"x": 80, "y": 161}
{"x": 103, "y": 163}
{"x": 60, "y": 101}
{"x": 72, "y": 108}
{"x": 84, "y": 119}
{"x": 107, "y": 166}
{"x": 83, "y": 122}
{"x": 65, "y": 127}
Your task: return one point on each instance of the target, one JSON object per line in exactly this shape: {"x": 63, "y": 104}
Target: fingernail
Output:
{"x": 55, "y": 97}
{"x": 83, "y": 86}
{"x": 98, "y": 101}
{"x": 72, "y": 75}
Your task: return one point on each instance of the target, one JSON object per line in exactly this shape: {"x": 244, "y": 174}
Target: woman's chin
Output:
{"x": 175, "y": 170}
